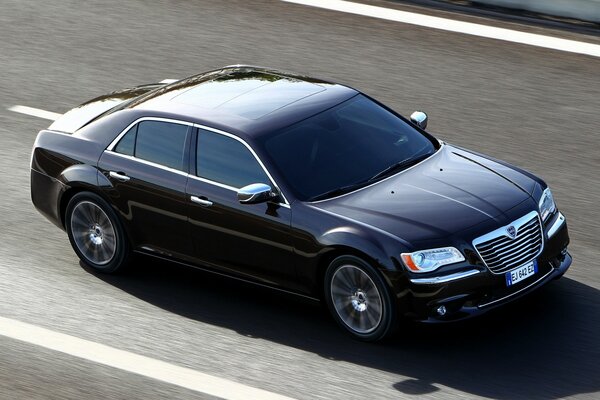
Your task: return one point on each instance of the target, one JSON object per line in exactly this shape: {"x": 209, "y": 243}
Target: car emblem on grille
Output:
{"x": 511, "y": 231}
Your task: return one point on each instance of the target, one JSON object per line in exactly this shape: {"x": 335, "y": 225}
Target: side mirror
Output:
{"x": 419, "y": 118}
{"x": 255, "y": 193}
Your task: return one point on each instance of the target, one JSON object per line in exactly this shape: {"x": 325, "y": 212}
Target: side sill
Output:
{"x": 154, "y": 255}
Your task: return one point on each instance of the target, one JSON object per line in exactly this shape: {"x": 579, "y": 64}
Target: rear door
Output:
{"x": 249, "y": 240}
{"x": 147, "y": 166}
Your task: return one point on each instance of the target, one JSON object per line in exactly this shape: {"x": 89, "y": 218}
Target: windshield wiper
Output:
{"x": 400, "y": 165}
{"x": 388, "y": 171}
{"x": 338, "y": 191}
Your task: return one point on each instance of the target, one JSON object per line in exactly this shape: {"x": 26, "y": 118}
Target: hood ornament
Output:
{"x": 511, "y": 231}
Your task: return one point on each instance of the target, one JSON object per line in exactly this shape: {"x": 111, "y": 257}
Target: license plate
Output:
{"x": 523, "y": 272}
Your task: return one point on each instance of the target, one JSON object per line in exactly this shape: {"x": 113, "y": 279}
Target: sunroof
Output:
{"x": 214, "y": 93}
{"x": 248, "y": 95}
{"x": 268, "y": 98}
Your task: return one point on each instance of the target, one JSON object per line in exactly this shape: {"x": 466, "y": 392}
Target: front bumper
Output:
{"x": 475, "y": 290}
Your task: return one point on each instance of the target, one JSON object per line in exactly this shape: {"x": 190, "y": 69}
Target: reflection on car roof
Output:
{"x": 251, "y": 96}
{"x": 246, "y": 99}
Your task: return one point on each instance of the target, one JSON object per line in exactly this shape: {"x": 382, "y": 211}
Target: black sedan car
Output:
{"x": 301, "y": 185}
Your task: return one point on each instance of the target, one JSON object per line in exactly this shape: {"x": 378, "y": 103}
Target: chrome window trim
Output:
{"x": 178, "y": 172}
{"x": 224, "y": 186}
{"x": 558, "y": 223}
{"x": 518, "y": 223}
{"x": 242, "y": 141}
{"x": 146, "y": 162}
{"x": 445, "y": 278}
{"x": 219, "y": 184}
{"x": 114, "y": 143}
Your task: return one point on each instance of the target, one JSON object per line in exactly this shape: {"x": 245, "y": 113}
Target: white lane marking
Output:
{"x": 141, "y": 365}
{"x": 168, "y": 81}
{"x": 451, "y": 25}
{"x": 36, "y": 112}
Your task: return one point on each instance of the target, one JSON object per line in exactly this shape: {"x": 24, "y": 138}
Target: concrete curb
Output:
{"x": 585, "y": 10}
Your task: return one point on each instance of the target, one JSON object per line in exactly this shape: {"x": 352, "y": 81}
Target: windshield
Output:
{"x": 345, "y": 147}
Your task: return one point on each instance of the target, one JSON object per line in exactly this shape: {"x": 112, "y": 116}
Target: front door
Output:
{"x": 249, "y": 240}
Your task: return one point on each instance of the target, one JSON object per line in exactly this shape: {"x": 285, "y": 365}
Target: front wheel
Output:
{"x": 95, "y": 233}
{"x": 359, "y": 299}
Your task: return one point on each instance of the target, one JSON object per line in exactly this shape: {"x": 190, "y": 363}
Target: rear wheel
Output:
{"x": 95, "y": 233}
{"x": 359, "y": 299}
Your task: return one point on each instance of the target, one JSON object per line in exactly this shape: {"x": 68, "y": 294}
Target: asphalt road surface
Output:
{"x": 537, "y": 108}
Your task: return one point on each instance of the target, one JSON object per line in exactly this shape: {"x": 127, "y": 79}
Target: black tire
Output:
{"x": 96, "y": 233}
{"x": 359, "y": 299}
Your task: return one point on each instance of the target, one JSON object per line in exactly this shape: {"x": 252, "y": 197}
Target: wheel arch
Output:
{"x": 80, "y": 178}
{"x": 331, "y": 254}
{"x": 121, "y": 244}
{"x": 388, "y": 322}
{"x": 344, "y": 250}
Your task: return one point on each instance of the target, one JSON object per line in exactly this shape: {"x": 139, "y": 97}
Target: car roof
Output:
{"x": 245, "y": 100}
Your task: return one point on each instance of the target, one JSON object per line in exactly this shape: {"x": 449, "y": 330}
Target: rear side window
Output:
{"x": 157, "y": 141}
{"x": 226, "y": 160}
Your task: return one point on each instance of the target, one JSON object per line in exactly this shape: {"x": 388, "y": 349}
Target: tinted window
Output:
{"x": 127, "y": 143}
{"x": 344, "y": 147}
{"x": 226, "y": 160}
{"x": 162, "y": 143}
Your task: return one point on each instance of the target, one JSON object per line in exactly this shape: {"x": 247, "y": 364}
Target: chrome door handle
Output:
{"x": 119, "y": 176}
{"x": 202, "y": 202}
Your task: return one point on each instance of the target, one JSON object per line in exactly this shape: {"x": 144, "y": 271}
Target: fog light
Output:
{"x": 441, "y": 310}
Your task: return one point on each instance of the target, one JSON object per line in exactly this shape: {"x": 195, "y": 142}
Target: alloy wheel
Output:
{"x": 356, "y": 299}
{"x": 93, "y": 233}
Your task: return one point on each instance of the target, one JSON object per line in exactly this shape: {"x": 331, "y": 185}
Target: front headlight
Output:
{"x": 547, "y": 206}
{"x": 430, "y": 260}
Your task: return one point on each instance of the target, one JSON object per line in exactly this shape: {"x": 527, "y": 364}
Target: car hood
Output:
{"x": 451, "y": 191}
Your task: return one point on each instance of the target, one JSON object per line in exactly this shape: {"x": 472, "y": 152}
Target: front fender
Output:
{"x": 362, "y": 241}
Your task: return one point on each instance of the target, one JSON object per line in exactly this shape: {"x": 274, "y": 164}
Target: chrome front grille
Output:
{"x": 501, "y": 252}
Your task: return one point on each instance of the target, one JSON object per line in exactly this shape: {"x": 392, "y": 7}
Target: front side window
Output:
{"x": 157, "y": 141}
{"x": 225, "y": 160}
